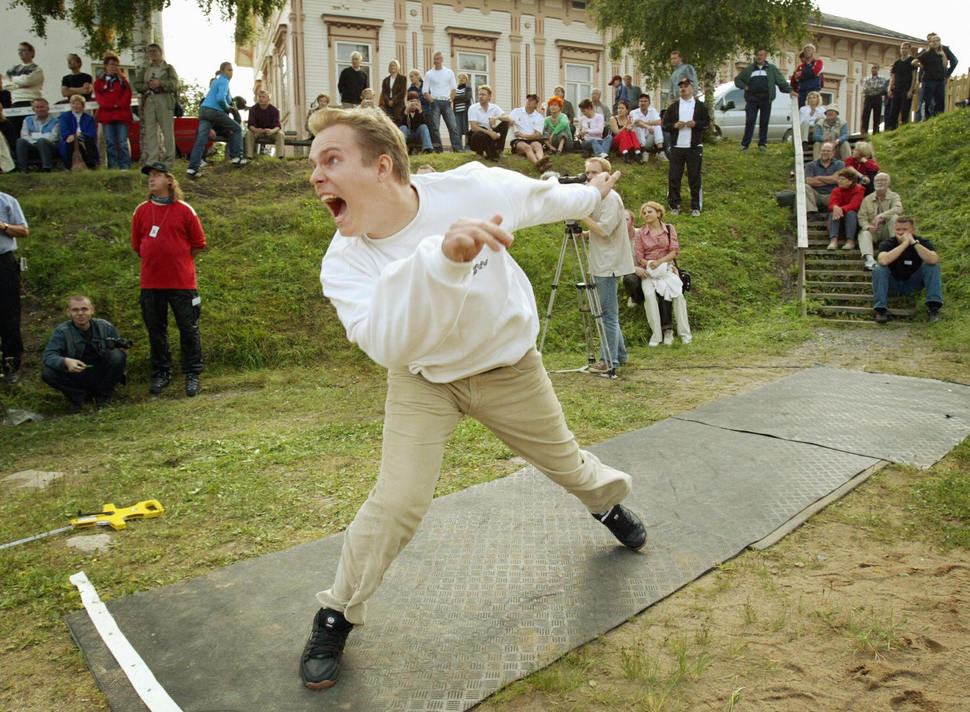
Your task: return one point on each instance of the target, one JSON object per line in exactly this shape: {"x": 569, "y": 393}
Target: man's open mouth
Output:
{"x": 336, "y": 205}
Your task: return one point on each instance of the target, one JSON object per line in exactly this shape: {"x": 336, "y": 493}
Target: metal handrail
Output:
{"x": 801, "y": 221}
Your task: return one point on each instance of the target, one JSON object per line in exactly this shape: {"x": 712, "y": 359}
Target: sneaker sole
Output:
{"x": 325, "y": 684}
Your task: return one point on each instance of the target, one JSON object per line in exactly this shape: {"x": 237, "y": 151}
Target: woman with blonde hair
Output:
{"x": 463, "y": 99}
{"x": 863, "y": 160}
{"x": 655, "y": 251}
{"x": 393, "y": 90}
{"x": 811, "y": 114}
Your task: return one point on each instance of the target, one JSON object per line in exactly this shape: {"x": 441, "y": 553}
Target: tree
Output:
{"x": 706, "y": 32}
{"x": 119, "y": 24}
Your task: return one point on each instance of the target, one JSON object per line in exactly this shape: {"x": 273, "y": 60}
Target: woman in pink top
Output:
{"x": 655, "y": 247}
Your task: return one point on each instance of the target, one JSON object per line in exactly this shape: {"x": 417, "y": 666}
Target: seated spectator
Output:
{"x": 811, "y": 115}
{"x": 833, "y": 130}
{"x": 648, "y": 127}
{"x": 820, "y": 180}
{"x": 38, "y": 137}
{"x": 425, "y": 168}
{"x": 877, "y": 217}
{"x": 367, "y": 98}
{"x": 321, "y": 102}
{"x": 655, "y": 251}
{"x": 263, "y": 126}
{"x": 906, "y": 264}
{"x": 591, "y": 130}
{"x": 599, "y": 107}
{"x": 113, "y": 94}
{"x": 556, "y": 127}
{"x": 863, "y": 161}
{"x": 77, "y": 82}
{"x": 85, "y": 357}
{"x": 79, "y": 137}
{"x": 415, "y": 127}
{"x": 488, "y": 125}
{"x": 8, "y": 128}
{"x": 527, "y": 125}
{"x": 567, "y": 108}
{"x": 7, "y": 164}
{"x": 624, "y": 137}
{"x": 844, "y": 206}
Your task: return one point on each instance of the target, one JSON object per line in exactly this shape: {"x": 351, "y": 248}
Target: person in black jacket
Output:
{"x": 938, "y": 63}
{"x": 84, "y": 358}
{"x": 686, "y": 120}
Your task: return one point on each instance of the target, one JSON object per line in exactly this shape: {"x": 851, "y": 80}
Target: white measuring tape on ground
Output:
{"x": 141, "y": 677}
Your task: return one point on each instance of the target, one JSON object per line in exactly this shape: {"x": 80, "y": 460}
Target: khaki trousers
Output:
{"x": 517, "y": 403}
{"x": 251, "y": 139}
{"x": 886, "y": 229}
{"x": 157, "y": 130}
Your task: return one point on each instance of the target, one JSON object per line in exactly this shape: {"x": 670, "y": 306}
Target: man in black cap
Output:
{"x": 686, "y": 120}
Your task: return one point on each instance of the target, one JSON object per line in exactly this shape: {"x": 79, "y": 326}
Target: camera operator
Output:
{"x": 85, "y": 357}
{"x": 609, "y": 259}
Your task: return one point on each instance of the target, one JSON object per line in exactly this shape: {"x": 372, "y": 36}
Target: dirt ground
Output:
{"x": 855, "y": 610}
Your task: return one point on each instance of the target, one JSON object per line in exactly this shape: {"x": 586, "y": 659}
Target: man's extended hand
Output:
{"x": 604, "y": 182}
{"x": 465, "y": 238}
{"x": 72, "y": 365}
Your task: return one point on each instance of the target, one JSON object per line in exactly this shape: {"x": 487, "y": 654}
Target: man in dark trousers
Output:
{"x": 13, "y": 224}
{"x": 760, "y": 81}
{"x": 84, "y": 357}
{"x": 686, "y": 120}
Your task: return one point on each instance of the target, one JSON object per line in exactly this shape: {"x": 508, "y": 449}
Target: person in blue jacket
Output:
{"x": 79, "y": 132}
{"x": 214, "y": 112}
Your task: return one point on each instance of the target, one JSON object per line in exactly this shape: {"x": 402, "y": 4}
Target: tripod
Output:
{"x": 589, "y": 301}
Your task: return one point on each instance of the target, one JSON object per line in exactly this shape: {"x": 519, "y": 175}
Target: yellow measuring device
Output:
{"x": 109, "y": 516}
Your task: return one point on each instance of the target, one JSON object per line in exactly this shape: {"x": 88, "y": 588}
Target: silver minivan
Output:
{"x": 728, "y": 114}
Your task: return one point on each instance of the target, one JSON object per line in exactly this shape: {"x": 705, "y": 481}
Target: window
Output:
{"x": 579, "y": 82}
{"x": 343, "y": 50}
{"x": 475, "y": 65}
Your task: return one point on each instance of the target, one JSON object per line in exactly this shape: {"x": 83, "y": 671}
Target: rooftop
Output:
{"x": 846, "y": 23}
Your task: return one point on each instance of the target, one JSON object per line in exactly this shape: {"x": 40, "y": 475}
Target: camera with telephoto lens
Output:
{"x": 117, "y": 343}
{"x": 578, "y": 178}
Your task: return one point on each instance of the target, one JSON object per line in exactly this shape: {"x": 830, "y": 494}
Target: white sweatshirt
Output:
{"x": 406, "y": 304}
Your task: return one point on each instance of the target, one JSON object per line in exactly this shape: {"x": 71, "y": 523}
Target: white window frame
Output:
{"x": 475, "y": 77}
{"x": 366, "y": 60}
{"x": 576, "y": 91}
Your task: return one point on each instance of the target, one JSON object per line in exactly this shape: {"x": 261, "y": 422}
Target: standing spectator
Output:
{"x": 439, "y": 89}
{"x": 13, "y": 224}
{"x": 624, "y": 137}
{"x": 686, "y": 121}
{"x": 567, "y": 108}
{"x": 555, "y": 128}
{"x": 527, "y": 131}
{"x": 414, "y": 126}
{"x": 906, "y": 264}
{"x": 760, "y": 81}
{"x": 938, "y": 63}
{"x": 394, "y": 89}
{"x": 833, "y": 130}
{"x": 648, "y": 128}
{"x": 39, "y": 136}
{"x": 77, "y": 82}
{"x": 488, "y": 125}
{"x": 264, "y": 125}
{"x": 113, "y": 94}
{"x": 417, "y": 84}
{"x": 811, "y": 115}
{"x": 901, "y": 86}
{"x": 864, "y": 162}
{"x": 25, "y": 82}
{"x": 808, "y": 74}
{"x": 820, "y": 180}
{"x": 681, "y": 70}
{"x": 167, "y": 235}
{"x": 844, "y": 206}
{"x": 599, "y": 107}
{"x": 591, "y": 131}
{"x": 877, "y": 217}
{"x": 620, "y": 92}
{"x": 79, "y": 137}
{"x": 83, "y": 358}
{"x": 874, "y": 90}
{"x": 656, "y": 248}
{"x": 352, "y": 82}
{"x": 632, "y": 90}
{"x": 157, "y": 85}
{"x": 609, "y": 260}
{"x": 463, "y": 98}
{"x": 213, "y": 114}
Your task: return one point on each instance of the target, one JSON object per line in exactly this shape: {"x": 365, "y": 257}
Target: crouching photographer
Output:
{"x": 85, "y": 357}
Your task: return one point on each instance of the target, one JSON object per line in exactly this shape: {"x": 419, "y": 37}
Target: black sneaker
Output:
{"x": 625, "y": 525}
{"x": 192, "y": 385}
{"x": 881, "y": 316}
{"x": 321, "y": 654}
{"x": 934, "y": 315}
{"x": 160, "y": 381}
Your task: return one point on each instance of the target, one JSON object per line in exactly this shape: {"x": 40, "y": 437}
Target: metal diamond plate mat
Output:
{"x": 502, "y": 579}
{"x": 912, "y": 421}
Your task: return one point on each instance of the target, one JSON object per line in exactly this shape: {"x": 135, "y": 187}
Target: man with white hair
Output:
{"x": 877, "y": 217}
{"x": 352, "y": 82}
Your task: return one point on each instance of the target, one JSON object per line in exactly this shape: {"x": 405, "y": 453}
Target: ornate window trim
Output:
{"x": 480, "y": 41}
{"x": 352, "y": 29}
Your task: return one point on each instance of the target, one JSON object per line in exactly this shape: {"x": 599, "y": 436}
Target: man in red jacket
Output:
{"x": 167, "y": 235}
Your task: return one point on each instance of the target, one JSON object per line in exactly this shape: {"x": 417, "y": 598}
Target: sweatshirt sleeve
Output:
{"x": 539, "y": 202}
{"x": 403, "y": 314}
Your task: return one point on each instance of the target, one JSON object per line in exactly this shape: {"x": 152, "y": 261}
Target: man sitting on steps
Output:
{"x": 907, "y": 263}
{"x": 820, "y": 179}
{"x": 877, "y": 217}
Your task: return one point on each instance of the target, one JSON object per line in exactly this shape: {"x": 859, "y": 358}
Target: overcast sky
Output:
{"x": 197, "y": 46}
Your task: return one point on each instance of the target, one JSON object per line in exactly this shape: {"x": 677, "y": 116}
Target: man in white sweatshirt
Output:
{"x": 422, "y": 280}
